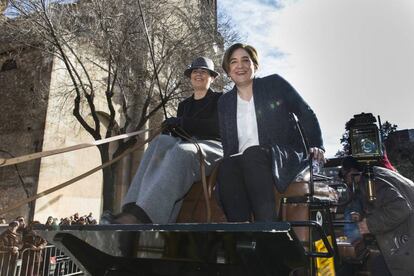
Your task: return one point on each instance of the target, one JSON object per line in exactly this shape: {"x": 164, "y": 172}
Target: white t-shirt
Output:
{"x": 246, "y": 124}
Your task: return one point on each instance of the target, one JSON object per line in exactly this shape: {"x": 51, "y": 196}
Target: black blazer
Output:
{"x": 203, "y": 123}
{"x": 275, "y": 100}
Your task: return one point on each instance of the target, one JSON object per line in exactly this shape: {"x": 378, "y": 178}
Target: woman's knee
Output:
{"x": 255, "y": 153}
{"x": 186, "y": 147}
{"x": 256, "y": 158}
{"x": 183, "y": 153}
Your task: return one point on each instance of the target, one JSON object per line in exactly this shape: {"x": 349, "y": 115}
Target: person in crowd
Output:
{"x": 49, "y": 221}
{"x": 9, "y": 246}
{"x": 66, "y": 221}
{"x": 55, "y": 222}
{"x": 32, "y": 256}
{"x": 9, "y": 240}
{"x": 3, "y": 220}
{"x": 171, "y": 165}
{"x": 263, "y": 145}
{"x": 389, "y": 218}
{"x": 22, "y": 227}
{"x": 82, "y": 221}
{"x": 22, "y": 223}
{"x": 90, "y": 219}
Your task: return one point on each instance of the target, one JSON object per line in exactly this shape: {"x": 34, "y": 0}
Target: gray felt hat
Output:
{"x": 201, "y": 63}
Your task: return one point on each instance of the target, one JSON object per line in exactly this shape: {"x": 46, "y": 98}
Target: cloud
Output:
{"x": 272, "y": 3}
{"x": 345, "y": 57}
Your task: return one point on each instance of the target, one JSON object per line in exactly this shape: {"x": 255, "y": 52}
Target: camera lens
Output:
{"x": 368, "y": 146}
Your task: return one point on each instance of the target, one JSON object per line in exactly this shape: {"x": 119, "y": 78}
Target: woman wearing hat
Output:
{"x": 262, "y": 144}
{"x": 170, "y": 165}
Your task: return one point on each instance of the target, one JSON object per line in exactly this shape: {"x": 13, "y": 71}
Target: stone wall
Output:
{"x": 24, "y": 82}
{"x": 62, "y": 130}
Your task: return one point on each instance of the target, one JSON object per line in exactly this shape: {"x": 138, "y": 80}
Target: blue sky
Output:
{"x": 344, "y": 56}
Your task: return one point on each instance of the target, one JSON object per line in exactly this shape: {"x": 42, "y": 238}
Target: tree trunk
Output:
{"x": 108, "y": 180}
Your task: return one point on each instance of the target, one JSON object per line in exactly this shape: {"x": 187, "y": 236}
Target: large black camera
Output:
{"x": 365, "y": 138}
{"x": 366, "y": 147}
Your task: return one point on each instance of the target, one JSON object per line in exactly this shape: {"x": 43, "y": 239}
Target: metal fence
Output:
{"x": 49, "y": 261}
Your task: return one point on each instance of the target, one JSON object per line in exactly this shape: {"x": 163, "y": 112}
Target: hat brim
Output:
{"x": 188, "y": 71}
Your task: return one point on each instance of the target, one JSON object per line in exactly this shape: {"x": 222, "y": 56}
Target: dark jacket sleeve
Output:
{"x": 391, "y": 210}
{"x": 306, "y": 116}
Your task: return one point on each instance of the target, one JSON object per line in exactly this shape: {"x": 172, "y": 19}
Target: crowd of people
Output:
{"x": 20, "y": 241}
{"x": 18, "y": 238}
{"x": 20, "y": 235}
{"x": 74, "y": 219}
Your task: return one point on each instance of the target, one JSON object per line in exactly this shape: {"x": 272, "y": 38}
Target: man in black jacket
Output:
{"x": 390, "y": 217}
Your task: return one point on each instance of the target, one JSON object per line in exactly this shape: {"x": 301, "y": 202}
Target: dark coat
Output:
{"x": 275, "y": 100}
{"x": 200, "y": 123}
{"x": 391, "y": 219}
{"x": 275, "y": 103}
{"x": 34, "y": 245}
{"x": 8, "y": 240}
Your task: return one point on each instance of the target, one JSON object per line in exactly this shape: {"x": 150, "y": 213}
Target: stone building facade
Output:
{"x": 35, "y": 118}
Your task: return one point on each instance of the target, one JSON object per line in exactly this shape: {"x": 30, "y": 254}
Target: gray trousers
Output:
{"x": 167, "y": 170}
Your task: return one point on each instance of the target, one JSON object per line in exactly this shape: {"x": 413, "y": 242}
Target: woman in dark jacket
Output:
{"x": 170, "y": 165}
{"x": 261, "y": 140}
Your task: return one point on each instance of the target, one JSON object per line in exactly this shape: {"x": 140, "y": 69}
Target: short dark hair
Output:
{"x": 348, "y": 163}
{"x": 248, "y": 48}
{"x": 14, "y": 223}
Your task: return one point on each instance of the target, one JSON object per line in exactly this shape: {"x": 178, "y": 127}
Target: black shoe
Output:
{"x": 107, "y": 217}
{"x": 137, "y": 212}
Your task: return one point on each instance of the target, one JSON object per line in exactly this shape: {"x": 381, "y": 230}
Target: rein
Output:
{"x": 37, "y": 155}
{"x": 79, "y": 177}
{"x": 207, "y": 193}
{"x": 25, "y": 158}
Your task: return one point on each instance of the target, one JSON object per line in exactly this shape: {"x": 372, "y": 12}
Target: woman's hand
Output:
{"x": 171, "y": 123}
{"x": 318, "y": 154}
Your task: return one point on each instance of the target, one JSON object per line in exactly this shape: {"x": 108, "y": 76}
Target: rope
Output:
{"x": 206, "y": 191}
{"x": 25, "y": 158}
{"x": 79, "y": 177}
{"x": 37, "y": 155}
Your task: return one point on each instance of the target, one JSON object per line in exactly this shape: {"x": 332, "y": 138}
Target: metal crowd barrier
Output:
{"x": 49, "y": 261}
